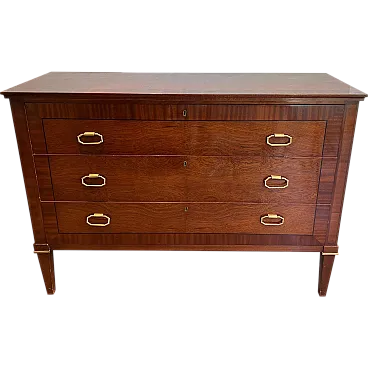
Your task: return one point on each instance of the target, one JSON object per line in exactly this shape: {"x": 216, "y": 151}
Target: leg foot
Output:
{"x": 47, "y": 267}
{"x": 325, "y": 268}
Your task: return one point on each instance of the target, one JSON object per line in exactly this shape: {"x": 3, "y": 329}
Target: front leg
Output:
{"x": 325, "y": 269}
{"x": 46, "y": 260}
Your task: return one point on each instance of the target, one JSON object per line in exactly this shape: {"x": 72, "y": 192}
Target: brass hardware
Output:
{"x": 90, "y": 134}
{"x": 272, "y": 216}
{"x": 330, "y": 254}
{"x": 276, "y": 177}
{"x": 184, "y": 113}
{"x": 186, "y": 209}
{"x": 41, "y": 251}
{"x": 93, "y": 176}
{"x": 279, "y": 135}
{"x": 98, "y": 215}
{"x": 185, "y": 163}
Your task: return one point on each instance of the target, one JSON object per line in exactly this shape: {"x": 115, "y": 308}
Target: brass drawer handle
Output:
{"x": 279, "y": 135}
{"x": 90, "y": 134}
{"x": 272, "y": 216}
{"x": 98, "y": 215}
{"x": 284, "y": 182}
{"x": 93, "y": 176}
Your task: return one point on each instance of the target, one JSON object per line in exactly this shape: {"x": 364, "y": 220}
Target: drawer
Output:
{"x": 252, "y": 179}
{"x": 124, "y": 217}
{"x": 184, "y": 178}
{"x": 121, "y": 178}
{"x": 246, "y": 218}
{"x": 184, "y": 218}
{"x": 231, "y": 138}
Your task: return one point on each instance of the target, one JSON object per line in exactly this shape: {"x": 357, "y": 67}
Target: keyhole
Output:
{"x": 186, "y": 209}
{"x": 185, "y": 164}
{"x": 184, "y": 113}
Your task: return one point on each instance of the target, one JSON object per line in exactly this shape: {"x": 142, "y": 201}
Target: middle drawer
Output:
{"x": 184, "y": 178}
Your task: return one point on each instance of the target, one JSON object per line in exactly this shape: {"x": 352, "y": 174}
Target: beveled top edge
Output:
{"x": 171, "y": 84}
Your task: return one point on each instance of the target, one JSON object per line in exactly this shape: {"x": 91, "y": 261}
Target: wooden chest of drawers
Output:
{"x": 249, "y": 162}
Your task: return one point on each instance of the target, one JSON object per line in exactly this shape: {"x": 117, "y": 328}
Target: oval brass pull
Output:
{"x": 272, "y": 217}
{"x": 93, "y": 176}
{"x": 90, "y": 134}
{"x": 98, "y": 216}
{"x": 279, "y": 135}
{"x": 284, "y": 182}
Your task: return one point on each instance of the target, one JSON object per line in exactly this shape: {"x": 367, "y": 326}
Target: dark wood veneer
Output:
{"x": 177, "y": 178}
{"x": 185, "y": 156}
{"x": 184, "y": 218}
{"x": 177, "y": 138}
{"x": 187, "y": 84}
{"x": 26, "y": 159}
{"x": 332, "y": 114}
{"x": 54, "y": 238}
{"x": 341, "y": 174}
{"x": 232, "y": 179}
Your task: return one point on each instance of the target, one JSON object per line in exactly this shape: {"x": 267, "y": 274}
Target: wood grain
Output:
{"x": 162, "y": 241}
{"x": 342, "y": 171}
{"x": 35, "y": 128}
{"x": 245, "y": 218}
{"x": 45, "y": 185}
{"x": 46, "y": 261}
{"x": 321, "y": 222}
{"x": 84, "y": 242}
{"x": 132, "y": 110}
{"x": 249, "y": 138}
{"x": 246, "y": 84}
{"x": 166, "y": 179}
{"x": 173, "y": 217}
{"x": 327, "y": 180}
{"x": 29, "y": 174}
{"x": 129, "y": 178}
{"x": 194, "y": 138}
{"x": 333, "y": 115}
{"x": 241, "y": 179}
{"x": 187, "y": 100}
{"x": 121, "y": 110}
{"x": 217, "y": 124}
{"x": 125, "y": 218}
{"x": 325, "y": 269}
{"x": 120, "y": 137}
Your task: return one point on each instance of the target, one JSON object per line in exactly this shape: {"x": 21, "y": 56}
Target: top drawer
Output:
{"x": 184, "y": 129}
{"x": 202, "y": 138}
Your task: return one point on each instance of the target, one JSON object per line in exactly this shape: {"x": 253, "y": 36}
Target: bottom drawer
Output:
{"x": 184, "y": 218}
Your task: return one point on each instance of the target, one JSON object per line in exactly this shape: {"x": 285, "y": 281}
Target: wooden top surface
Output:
{"x": 247, "y": 84}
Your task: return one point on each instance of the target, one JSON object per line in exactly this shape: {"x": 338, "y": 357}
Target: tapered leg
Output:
{"x": 47, "y": 267}
{"x": 325, "y": 268}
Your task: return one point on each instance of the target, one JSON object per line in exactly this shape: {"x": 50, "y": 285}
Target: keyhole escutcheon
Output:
{"x": 184, "y": 113}
{"x": 185, "y": 163}
{"x": 186, "y": 209}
